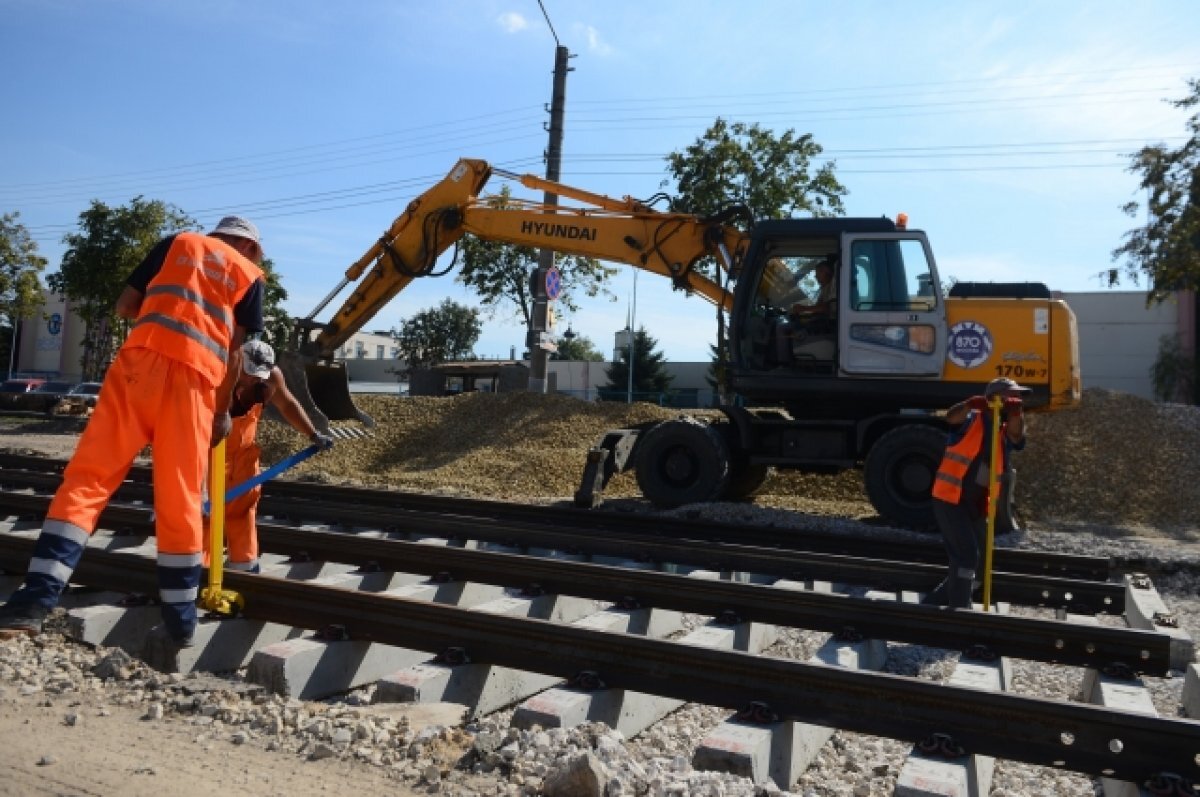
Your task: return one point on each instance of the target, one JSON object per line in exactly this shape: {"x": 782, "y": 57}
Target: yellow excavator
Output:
{"x": 855, "y": 385}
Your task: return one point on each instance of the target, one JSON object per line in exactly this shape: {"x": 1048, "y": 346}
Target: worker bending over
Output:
{"x": 259, "y": 384}
{"x": 192, "y": 300}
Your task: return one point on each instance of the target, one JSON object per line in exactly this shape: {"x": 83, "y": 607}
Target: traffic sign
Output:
{"x": 553, "y": 283}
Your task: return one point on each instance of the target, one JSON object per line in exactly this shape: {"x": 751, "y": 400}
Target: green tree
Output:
{"x": 277, "y": 324}
{"x": 650, "y": 377}
{"x": 444, "y": 333}
{"x": 20, "y": 289}
{"x": 100, "y": 256}
{"x": 577, "y": 348}
{"x": 500, "y": 273}
{"x": 1167, "y": 248}
{"x": 739, "y": 164}
{"x": 716, "y": 376}
{"x": 774, "y": 176}
{"x": 1173, "y": 372}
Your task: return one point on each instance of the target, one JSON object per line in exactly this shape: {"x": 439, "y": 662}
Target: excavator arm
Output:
{"x": 592, "y": 225}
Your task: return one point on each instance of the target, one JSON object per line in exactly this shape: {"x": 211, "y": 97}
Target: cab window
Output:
{"x": 891, "y": 276}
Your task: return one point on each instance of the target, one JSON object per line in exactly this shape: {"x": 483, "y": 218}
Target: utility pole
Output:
{"x": 632, "y": 336}
{"x": 539, "y": 341}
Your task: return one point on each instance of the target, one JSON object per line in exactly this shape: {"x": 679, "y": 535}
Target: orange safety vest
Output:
{"x": 948, "y": 483}
{"x": 187, "y": 312}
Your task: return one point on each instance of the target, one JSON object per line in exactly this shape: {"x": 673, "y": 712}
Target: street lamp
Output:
{"x": 569, "y": 334}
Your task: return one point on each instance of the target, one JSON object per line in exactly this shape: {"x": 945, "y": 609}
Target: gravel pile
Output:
{"x": 1116, "y": 460}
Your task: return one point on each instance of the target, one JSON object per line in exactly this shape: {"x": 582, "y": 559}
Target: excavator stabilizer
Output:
{"x": 323, "y": 389}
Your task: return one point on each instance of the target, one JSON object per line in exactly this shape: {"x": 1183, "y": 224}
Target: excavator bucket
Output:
{"x": 323, "y": 389}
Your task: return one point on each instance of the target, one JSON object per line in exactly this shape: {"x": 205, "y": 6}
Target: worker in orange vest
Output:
{"x": 961, "y": 484}
{"x": 260, "y": 384}
{"x": 192, "y": 300}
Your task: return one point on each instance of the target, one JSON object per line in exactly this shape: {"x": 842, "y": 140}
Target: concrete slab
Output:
{"x": 1191, "y": 692}
{"x": 755, "y": 746}
{"x": 1145, "y": 609}
{"x": 485, "y": 688}
{"x": 108, "y": 541}
{"x": 114, "y": 625}
{"x": 1126, "y": 695}
{"x": 930, "y": 775}
{"x": 311, "y": 667}
{"x": 224, "y": 644}
{"x": 631, "y": 712}
{"x": 220, "y": 645}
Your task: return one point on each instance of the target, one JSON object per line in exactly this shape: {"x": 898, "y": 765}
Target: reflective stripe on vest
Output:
{"x": 948, "y": 483}
{"x": 187, "y": 310}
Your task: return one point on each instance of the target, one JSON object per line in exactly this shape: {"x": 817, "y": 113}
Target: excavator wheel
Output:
{"x": 745, "y": 479}
{"x": 899, "y": 472}
{"x": 682, "y": 462}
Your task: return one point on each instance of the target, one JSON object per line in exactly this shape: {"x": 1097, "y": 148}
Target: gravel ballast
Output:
{"x": 1114, "y": 477}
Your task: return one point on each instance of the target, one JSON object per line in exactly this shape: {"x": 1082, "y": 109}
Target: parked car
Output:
{"x": 13, "y": 391}
{"x": 81, "y": 399}
{"x": 45, "y": 398}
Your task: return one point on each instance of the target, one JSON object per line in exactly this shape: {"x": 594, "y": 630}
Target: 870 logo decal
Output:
{"x": 970, "y": 344}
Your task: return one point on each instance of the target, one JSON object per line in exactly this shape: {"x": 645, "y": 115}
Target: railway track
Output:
{"x": 760, "y": 577}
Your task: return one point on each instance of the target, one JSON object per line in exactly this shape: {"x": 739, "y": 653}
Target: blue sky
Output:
{"x": 1002, "y": 129}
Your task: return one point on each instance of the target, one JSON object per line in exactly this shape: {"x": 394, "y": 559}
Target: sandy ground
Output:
{"x": 110, "y": 750}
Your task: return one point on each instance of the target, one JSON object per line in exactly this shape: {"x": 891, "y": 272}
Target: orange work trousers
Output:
{"x": 242, "y": 456}
{"x": 148, "y": 399}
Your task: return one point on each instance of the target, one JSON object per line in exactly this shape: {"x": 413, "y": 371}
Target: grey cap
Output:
{"x": 239, "y": 227}
{"x": 258, "y": 358}
{"x": 1002, "y": 384}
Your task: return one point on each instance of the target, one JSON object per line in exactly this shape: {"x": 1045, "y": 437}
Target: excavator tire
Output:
{"x": 899, "y": 472}
{"x": 682, "y": 462}
{"x": 745, "y": 479}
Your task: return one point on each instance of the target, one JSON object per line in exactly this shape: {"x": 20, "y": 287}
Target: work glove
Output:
{"x": 323, "y": 441}
{"x": 1013, "y": 404}
{"x": 221, "y": 426}
{"x": 977, "y": 403}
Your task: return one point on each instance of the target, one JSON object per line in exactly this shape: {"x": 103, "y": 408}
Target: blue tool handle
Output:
{"x": 279, "y": 467}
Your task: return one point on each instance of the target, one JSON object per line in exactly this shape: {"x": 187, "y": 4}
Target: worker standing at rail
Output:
{"x": 960, "y": 488}
{"x": 260, "y": 384}
{"x": 193, "y": 300}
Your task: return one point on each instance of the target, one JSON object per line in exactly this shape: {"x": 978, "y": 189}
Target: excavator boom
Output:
{"x": 594, "y": 225}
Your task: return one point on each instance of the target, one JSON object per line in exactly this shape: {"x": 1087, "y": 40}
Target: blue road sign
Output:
{"x": 553, "y": 283}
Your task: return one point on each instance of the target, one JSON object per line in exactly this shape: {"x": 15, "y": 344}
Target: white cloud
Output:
{"x": 512, "y": 22}
{"x": 595, "y": 44}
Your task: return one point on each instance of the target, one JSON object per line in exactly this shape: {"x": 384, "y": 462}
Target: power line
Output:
{"x": 307, "y": 153}
{"x": 488, "y": 130}
{"x": 550, "y": 26}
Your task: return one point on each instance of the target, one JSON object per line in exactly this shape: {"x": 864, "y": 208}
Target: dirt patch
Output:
{"x": 90, "y": 747}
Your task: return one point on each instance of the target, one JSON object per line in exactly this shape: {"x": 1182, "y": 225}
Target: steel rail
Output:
{"x": 1086, "y": 597}
{"x": 1113, "y": 650}
{"x": 1070, "y": 736}
{"x": 283, "y": 498}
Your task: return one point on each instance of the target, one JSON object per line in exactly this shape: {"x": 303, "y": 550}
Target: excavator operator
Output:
{"x": 818, "y": 317}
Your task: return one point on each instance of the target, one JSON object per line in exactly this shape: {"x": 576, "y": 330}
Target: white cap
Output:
{"x": 258, "y": 358}
{"x": 238, "y": 227}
